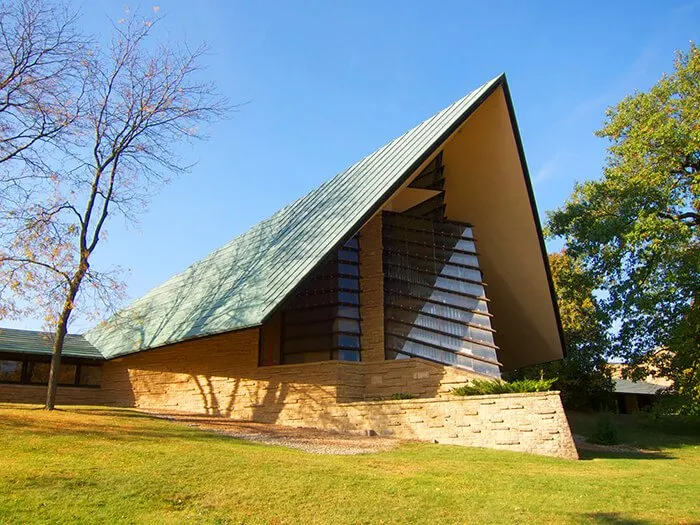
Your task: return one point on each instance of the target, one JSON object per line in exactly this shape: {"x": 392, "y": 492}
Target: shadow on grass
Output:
{"x": 110, "y": 412}
{"x": 586, "y": 454}
{"x": 104, "y": 423}
{"x": 639, "y": 437}
{"x": 613, "y": 518}
{"x": 78, "y": 409}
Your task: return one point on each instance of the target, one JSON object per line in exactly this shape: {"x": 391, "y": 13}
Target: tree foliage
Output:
{"x": 137, "y": 100}
{"x": 637, "y": 227}
{"x": 582, "y": 376}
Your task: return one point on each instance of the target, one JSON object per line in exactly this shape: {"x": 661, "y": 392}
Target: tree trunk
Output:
{"x": 60, "y": 336}
{"x": 61, "y": 329}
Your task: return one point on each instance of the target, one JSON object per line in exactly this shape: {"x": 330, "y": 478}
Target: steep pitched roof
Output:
{"x": 41, "y": 343}
{"x": 240, "y": 284}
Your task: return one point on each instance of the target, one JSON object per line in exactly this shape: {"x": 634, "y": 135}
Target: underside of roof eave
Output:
{"x": 535, "y": 213}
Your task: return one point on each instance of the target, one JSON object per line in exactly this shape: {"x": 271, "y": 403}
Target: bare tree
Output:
{"x": 142, "y": 99}
{"x": 40, "y": 78}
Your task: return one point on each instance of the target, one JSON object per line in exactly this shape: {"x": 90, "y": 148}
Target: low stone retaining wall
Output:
{"x": 533, "y": 422}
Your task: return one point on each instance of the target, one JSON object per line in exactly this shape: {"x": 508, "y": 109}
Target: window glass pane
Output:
{"x": 66, "y": 374}
{"x": 457, "y": 329}
{"x": 352, "y": 243}
{"x": 449, "y": 237}
{"x": 10, "y": 371}
{"x": 347, "y": 255}
{"x": 349, "y": 297}
{"x": 307, "y": 344}
{"x": 346, "y": 325}
{"x": 347, "y": 341}
{"x": 346, "y": 355}
{"x": 38, "y": 372}
{"x": 323, "y": 283}
{"x": 447, "y": 342}
{"x": 436, "y": 296}
{"x": 308, "y": 329}
{"x": 309, "y": 357}
{"x": 90, "y": 375}
{"x": 466, "y": 246}
{"x": 349, "y": 283}
{"x": 348, "y": 269}
{"x": 309, "y": 314}
{"x": 462, "y": 273}
{"x": 319, "y": 299}
{"x": 349, "y": 311}
{"x": 417, "y": 304}
{"x": 324, "y": 308}
{"x": 412, "y": 348}
{"x": 430, "y": 252}
{"x": 432, "y": 266}
{"x": 426, "y": 279}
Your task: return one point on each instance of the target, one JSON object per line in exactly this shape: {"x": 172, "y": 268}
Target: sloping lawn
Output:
{"x": 95, "y": 465}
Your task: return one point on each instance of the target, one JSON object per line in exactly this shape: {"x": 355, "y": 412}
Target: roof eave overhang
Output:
{"x": 535, "y": 213}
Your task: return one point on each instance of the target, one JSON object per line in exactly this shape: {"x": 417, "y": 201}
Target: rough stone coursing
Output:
{"x": 219, "y": 376}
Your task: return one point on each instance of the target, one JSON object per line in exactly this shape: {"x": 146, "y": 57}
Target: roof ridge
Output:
{"x": 240, "y": 283}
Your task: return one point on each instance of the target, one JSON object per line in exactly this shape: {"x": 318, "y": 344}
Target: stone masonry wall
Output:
{"x": 372, "y": 291}
{"x": 534, "y": 423}
{"x": 220, "y": 376}
{"x": 36, "y": 394}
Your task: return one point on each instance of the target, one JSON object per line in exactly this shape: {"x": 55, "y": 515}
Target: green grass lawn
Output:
{"x": 108, "y": 466}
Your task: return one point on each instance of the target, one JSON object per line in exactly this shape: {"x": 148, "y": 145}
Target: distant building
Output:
{"x": 633, "y": 396}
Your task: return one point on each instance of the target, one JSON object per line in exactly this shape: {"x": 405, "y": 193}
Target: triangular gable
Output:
{"x": 240, "y": 284}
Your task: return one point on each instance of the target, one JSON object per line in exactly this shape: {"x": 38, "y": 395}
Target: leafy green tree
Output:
{"x": 582, "y": 376}
{"x": 637, "y": 227}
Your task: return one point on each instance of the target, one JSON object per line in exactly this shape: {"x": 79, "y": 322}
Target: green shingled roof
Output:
{"x": 41, "y": 343}
{"x": 240, "y": 284}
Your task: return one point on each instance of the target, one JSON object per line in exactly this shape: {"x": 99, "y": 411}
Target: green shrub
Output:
{"x": 403, "y": 395}
{"x": 605, "y": 431}
{"x": 479, "y": 387}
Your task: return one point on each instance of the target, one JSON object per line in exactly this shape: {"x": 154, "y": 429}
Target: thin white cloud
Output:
{"x": 548, "y": 170}
{"x": 630, "y": 78}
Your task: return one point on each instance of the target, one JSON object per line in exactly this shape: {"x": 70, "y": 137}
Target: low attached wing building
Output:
{"x": 416, "y": 269}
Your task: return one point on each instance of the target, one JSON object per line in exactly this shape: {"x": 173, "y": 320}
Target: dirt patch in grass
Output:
{"x": 306, "y": 439}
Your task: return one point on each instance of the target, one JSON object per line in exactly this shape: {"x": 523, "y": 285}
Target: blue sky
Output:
{"x": 326, "y": 83}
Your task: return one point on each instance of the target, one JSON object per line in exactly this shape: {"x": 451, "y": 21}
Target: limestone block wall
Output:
{"x": 220, "y": 376}
{"x": 66, "y": 395}
{"x": 411, "y": 376}
{"x": 534, "y": 423}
